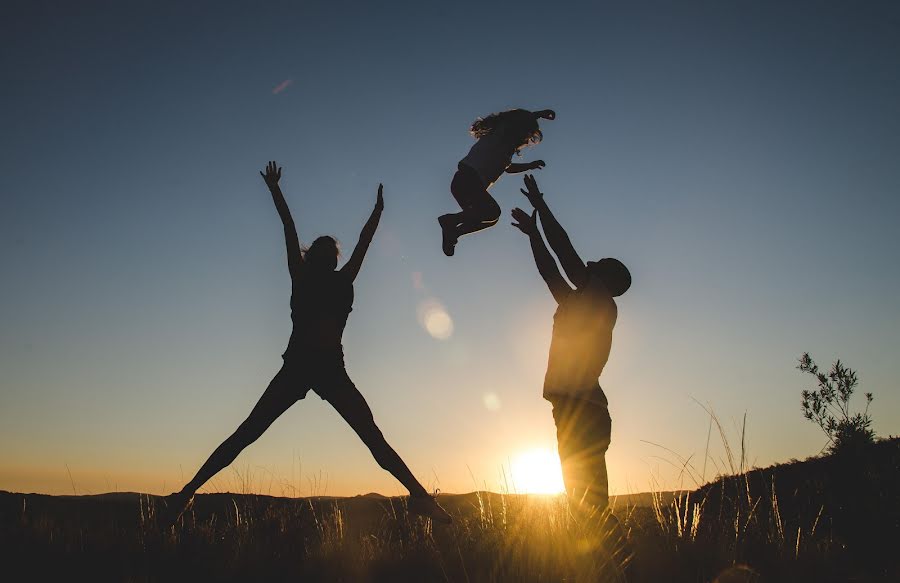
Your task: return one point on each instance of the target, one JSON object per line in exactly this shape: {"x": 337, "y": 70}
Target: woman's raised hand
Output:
{"x": 272, "y": 174}
{"x": 379, "y": 202}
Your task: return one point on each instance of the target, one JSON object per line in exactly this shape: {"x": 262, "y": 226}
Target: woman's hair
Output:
{"x": 323, "y": 250}
{"x": 519, "y": 125}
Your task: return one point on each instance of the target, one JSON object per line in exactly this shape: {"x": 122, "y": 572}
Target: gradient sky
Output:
{"x": 740, "y": 157}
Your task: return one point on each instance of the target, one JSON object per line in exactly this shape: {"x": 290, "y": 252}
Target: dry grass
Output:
{"x": 825, "y": 519}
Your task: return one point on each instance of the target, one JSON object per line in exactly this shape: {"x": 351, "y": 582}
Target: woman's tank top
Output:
{"x": 320, "y": 306}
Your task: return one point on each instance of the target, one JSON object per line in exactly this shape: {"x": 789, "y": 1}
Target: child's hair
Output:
{"x": 520, "y": 126}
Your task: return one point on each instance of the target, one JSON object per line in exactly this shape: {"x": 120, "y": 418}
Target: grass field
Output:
{"x": 824, "y": 519}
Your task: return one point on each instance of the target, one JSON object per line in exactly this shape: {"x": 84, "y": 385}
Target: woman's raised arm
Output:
{"x": 272, "y": 175}
{"x": 353, "y": 265}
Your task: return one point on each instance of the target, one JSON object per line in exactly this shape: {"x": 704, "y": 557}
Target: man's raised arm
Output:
{"x": 556, "y": 235}
{"x": 542, "y": 258}
{"x": 292, "y": 242}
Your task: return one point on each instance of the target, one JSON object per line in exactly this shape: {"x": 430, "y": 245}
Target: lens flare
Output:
{"x": 433, "y": 317}
{"x": 491, "y": 401}
{"x": 537, "y": 471}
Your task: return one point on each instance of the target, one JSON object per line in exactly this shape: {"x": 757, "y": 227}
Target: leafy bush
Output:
{"x": 829, "y": 406}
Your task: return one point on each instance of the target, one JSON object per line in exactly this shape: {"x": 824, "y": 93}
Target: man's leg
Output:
{"x": 583, "y": 433}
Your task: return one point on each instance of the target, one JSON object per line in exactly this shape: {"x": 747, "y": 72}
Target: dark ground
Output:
{"x": 824, "y": 519}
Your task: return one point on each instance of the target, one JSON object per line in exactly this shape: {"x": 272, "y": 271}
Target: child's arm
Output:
{"x": 516, "y": 168}
{"x": 354, "y": 264}
{"x": 557, "y": 237}
{"x": 542, "y": 258}
{"x": 537, "y": 164}
{"x": 292, "y": 242}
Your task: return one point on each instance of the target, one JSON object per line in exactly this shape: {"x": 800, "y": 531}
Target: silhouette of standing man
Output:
{"x": 582, "y": 338}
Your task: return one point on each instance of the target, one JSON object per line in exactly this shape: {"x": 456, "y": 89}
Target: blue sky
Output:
{"x": 739, "y": 157}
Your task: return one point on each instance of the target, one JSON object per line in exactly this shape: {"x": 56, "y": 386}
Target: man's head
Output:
{"x": 613, "y": 273}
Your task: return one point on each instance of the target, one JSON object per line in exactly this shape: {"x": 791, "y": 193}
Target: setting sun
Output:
{"x": 537, "y": 471}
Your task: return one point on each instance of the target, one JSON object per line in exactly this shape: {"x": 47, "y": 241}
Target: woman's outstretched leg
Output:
{"x": 278, "y": 397}
{"x": 346, "y": 399}
{"x": 343, "y": 395}
{"x": 281, "y": 393}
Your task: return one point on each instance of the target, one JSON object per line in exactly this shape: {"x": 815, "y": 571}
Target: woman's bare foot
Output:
{"x": 171, "y": 508}
{"x": 427, "y": 506}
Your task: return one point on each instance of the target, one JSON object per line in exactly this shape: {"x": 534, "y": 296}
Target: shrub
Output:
{"x": 829, "y": 406}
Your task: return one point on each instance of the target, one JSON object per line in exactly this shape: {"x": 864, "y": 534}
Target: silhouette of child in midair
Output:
{"x": 500, "y": 135}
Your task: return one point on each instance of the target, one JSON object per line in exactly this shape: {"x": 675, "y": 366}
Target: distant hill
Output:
{"x": 113, "y": 503}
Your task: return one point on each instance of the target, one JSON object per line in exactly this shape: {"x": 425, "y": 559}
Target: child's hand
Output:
{"x": 272, "y": 175}
{"x": 379, "y": 202}
{"x": 537, "y": 164}
{"x": 533, "y": 194}
{"x": 524, "y": 222}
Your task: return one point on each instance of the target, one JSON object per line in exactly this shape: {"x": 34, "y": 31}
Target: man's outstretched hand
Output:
{"x": 379, "y": 202}
{"x": 533, "y": 193}
{"x": 272, "y": 175}
{"x": 525, "y": 222}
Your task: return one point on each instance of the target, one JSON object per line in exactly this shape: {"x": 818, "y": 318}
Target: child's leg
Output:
{"x": 471, "y": 219}
{"x": 480, "y": 210}
{"x": 479, "y": 217}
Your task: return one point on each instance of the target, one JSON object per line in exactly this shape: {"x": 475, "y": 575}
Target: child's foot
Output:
{"x": 426, "y": 505}
{"x": 448, "y": 234}
{"x": 171, "y": 508}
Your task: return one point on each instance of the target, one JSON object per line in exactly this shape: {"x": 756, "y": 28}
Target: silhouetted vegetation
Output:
{"x": 832, "y": 518}
{"x": 829, "y": 406}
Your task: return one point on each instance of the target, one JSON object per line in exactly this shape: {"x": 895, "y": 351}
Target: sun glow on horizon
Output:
{"x": 537, "y": 471}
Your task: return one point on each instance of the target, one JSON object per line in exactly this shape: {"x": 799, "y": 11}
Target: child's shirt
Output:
{"x": 489, "y": 156}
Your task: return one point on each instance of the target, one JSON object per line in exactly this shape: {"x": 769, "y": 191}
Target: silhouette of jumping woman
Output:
{"x": 500, "y": 135}
{"x": 321, "y": 300}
